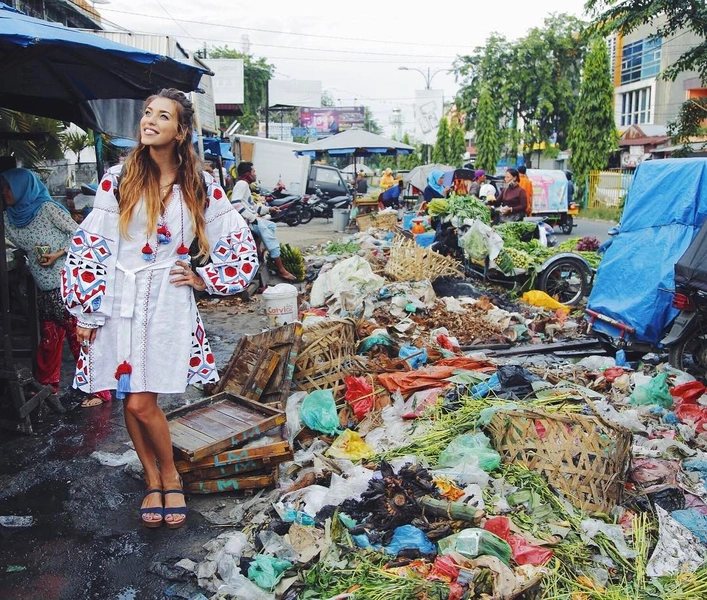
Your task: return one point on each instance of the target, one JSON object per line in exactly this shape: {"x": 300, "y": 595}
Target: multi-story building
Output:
{"x": 641, "y": 97}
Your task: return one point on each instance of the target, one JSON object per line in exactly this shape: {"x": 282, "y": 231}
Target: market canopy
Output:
{"x": 53, "y": 71}
{"x": 356, "y": 142}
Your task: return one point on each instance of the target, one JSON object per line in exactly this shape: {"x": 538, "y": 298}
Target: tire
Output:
{"x": 690, "y": 354}
{"x": 294, "y": 217}
{"x": 306, "y": 215}
{"x": 567, "y": 279}
{"x": 567, "y": 225}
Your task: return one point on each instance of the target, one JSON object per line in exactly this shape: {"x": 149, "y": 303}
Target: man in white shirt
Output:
{"x": 242, "y": 199}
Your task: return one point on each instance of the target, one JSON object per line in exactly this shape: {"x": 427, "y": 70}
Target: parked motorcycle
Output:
{"x": 289, "y": 207}
{"x": 321, "y": 205}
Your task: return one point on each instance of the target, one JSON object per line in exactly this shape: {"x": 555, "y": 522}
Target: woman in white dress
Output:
{"x": 128, "y": 281}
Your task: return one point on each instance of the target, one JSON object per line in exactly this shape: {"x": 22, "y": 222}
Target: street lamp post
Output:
{"x": 428, "y": 76}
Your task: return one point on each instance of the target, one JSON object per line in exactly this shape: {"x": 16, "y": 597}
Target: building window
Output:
{"x": 640, "y": 60}
{"x": 636, "y": 107}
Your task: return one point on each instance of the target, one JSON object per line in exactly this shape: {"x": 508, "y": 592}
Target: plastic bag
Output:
{"x": 292, "y": 410}
{"x": 654, "y": 392}
{"x": 467, "y": 447}
{"x": 416, "y": 357}
{"x": 266, "y": 571}
{"x": 474, "y": 542}
{"x": 677, "y": 549}
{"x": 318, "y": 412}
{"x": 540, "y": 298}
{"x": 481, "y": 241}
{"x": 359, "y": 395}
{"x": 523, "y": 552}
{"x": 350, "y": 445}
{"x": 409, "y": 537}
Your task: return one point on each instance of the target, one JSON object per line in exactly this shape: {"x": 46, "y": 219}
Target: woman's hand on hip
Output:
{"x": 185, "y": 276}
{"x": 85, "y": 336}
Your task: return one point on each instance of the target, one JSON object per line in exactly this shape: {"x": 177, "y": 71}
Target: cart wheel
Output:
{"x": 567, "y": 279}
{"x": 567, "y": 225}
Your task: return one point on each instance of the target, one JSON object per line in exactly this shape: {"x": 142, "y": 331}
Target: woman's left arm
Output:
{"x": 234, "y": 257}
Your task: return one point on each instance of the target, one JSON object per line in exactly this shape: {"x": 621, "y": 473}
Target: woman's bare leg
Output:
{"x": 149, "y": 431}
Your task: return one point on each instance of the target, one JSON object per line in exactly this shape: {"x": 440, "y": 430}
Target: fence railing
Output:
{"x": 607, "y": 189}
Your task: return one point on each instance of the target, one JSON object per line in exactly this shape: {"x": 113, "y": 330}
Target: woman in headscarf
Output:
{"x": 387, "y": 180}
{"x": 435, "y": 186}
{"x": 43, "y": 228}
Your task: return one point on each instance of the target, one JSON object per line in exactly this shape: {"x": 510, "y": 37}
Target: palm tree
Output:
{"x": 43, "y": 138}
{"x": 77, "y": 142}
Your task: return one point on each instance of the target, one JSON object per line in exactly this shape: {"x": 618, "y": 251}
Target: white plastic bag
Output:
{"x": 481, "y": 241}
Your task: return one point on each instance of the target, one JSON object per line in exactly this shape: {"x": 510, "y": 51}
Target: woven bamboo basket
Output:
{"x": 410, "y": 262}
{"x": 586, "y": 458}
{"x": 386, "y": 221}
{"x": 327, "y": 355}
{"x": 365, "y": 222}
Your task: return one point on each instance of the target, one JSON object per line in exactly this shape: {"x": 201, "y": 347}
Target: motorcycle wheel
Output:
{"x": 567, "y": 226}
{"x": 306, "y": 215}
{"x": 690, "y": 355}
{"x": 294, "y": 218}
{"x": 567, "y": 280}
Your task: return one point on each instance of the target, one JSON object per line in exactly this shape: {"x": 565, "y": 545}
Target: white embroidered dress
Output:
{"x": 143, "y": 318}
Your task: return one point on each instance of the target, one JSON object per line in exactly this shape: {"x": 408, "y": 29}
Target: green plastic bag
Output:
{"x": 654, "y": 392}
{"x": 474, "y": 542}
{"x": 470, "y": 447}
{"x": 318, "y": 412}
{"x": 265, "y": 571}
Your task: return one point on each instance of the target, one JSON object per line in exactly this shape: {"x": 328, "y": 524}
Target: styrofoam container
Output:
{"x": 280, "y": 302}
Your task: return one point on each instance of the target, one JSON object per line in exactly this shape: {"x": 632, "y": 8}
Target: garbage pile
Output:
{"x": 427, "y": 468}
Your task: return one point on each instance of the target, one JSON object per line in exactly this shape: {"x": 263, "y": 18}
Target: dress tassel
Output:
{"x": 122, "y": 374}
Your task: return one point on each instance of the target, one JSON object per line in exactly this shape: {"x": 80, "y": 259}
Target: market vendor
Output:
{"x": 392, "y": 196}
{"x": 512, "y": 202}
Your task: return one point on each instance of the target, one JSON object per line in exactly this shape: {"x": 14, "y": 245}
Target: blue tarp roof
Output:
{"x": 63, "y": 73}
{"x": 665, "y": 207}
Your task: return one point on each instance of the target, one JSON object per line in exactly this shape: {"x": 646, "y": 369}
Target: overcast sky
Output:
{"x": 354, "y": 48}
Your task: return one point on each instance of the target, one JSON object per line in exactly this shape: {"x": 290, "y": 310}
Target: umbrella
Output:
{"x": 53, "y": 71}
{"x": 418, "y": 176}
{"x": 356, "y": 142}
{"x": 351, "y": 169}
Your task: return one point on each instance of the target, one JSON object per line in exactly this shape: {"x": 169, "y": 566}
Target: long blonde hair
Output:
{"x": 141, "y": 176}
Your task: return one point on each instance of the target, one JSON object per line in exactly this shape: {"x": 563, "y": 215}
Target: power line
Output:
{"x": 312, "y": 35}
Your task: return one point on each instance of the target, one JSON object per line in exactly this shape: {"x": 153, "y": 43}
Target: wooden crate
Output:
{"x": 284, "y": 341}
{"x": 232, "y": 484}
{"x": 250, "y": 369}
{"x": 219, "y": 423}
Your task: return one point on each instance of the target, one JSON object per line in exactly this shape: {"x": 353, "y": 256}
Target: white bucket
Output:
{"x": 280, "y": 303}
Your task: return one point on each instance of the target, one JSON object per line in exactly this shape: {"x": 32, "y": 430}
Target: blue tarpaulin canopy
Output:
{"x": 665, "y": 208}
{"x": 50, "y": 70}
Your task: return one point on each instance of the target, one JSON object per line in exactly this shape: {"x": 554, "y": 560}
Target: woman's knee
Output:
{"x": 141, "y": 406}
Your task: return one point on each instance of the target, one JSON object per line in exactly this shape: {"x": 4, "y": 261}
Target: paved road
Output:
{"x": 319, "y": 231}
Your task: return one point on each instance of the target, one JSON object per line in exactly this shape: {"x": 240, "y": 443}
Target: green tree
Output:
{"x": 593, "y": 135}
{"x": 410, "y": 161}
{"x": 256, "y": 74}
{"x": 440, "y": 152}
{"x": 77, "y": 141}
{"x": 689, "y": 126}
{"x": 44, "y": 138}
{"x": 457, "y": 145}
{"x": 488, "y": 138}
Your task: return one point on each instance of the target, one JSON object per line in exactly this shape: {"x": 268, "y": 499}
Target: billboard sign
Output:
{"x": 330, "y": 120}
{"x": 429, "y": 108}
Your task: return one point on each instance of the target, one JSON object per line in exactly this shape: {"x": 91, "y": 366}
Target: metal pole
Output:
{"x": 267, "y": 109}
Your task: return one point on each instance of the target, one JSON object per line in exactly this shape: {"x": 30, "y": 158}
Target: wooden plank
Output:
{"x": 203, "y": 423}
{"x": 186, "y": 439}
{"x": 228, "y": 471}
{"x": 214, "y": 486}
{"x": 546, "y": 348}
{"x": 237, "y": 455}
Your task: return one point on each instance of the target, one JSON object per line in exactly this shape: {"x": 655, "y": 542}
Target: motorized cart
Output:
{"x": 550, "y": 199}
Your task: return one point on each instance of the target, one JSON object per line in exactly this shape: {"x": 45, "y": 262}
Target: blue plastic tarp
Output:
{"x": 665, "y": 207}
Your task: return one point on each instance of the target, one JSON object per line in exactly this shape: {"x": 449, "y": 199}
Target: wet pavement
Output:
{"x": 85, "y": 540}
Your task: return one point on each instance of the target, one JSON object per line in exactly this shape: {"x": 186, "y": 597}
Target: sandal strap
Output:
{"x": 152, "y": 491}
{"x": 165, "y": 492}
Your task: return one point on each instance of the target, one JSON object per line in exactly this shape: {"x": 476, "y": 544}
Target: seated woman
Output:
{"x": 392, "y": 197}
{"x": 512, "y": 202}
